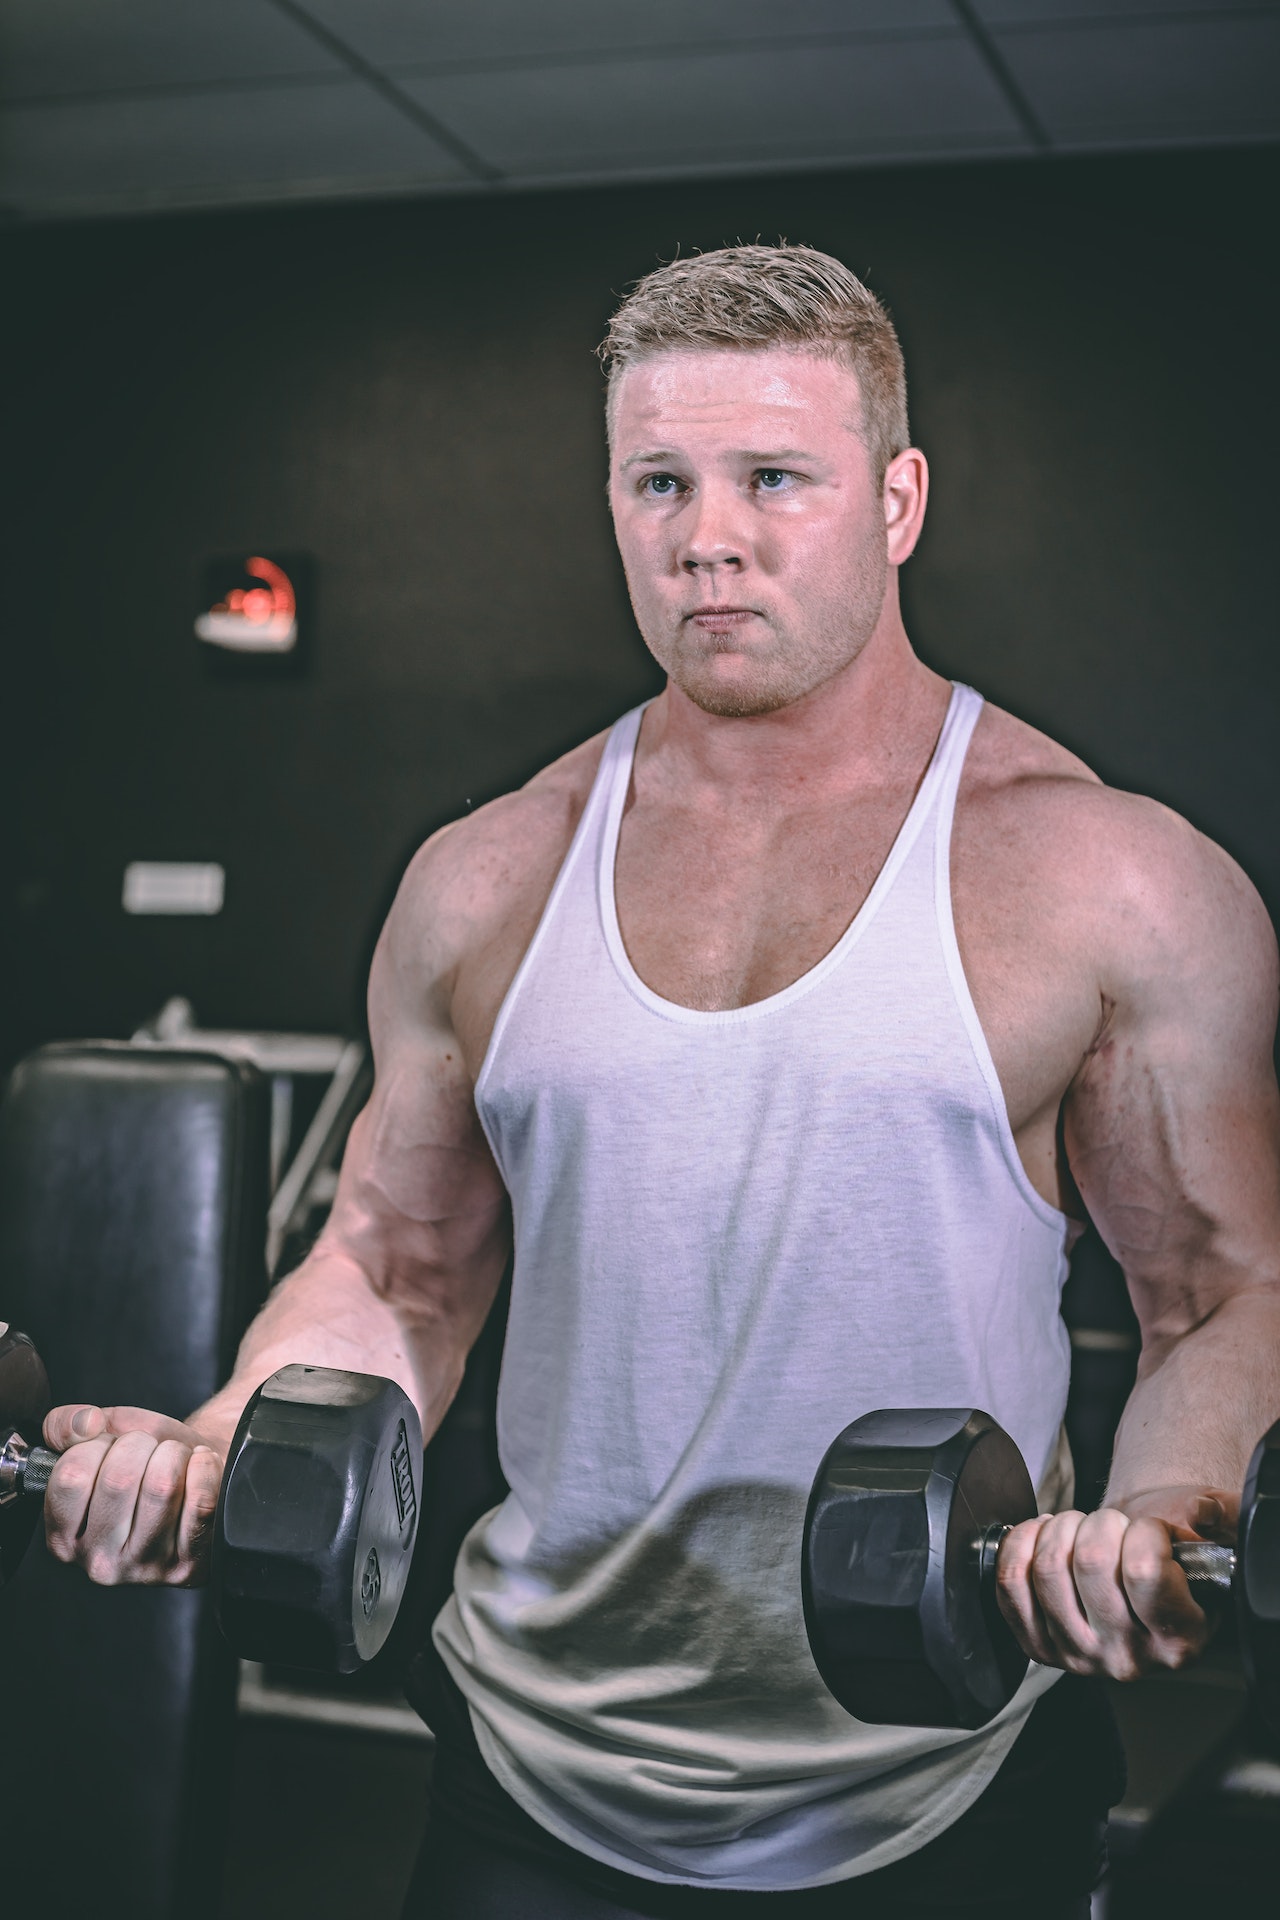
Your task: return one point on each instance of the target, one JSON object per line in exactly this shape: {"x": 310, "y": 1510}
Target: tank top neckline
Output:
{"x": 614, "y": 782}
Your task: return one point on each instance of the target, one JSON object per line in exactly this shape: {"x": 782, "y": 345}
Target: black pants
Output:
{"x": 1032, "y": 1846}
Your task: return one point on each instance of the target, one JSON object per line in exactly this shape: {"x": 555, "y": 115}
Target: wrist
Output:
{"x": 216, "y": 1421}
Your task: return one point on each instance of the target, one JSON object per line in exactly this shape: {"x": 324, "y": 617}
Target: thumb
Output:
{"x": 1210, "y": 1512}
{"x": 64, "y": 1426}
{"x": 78, "y": 1421}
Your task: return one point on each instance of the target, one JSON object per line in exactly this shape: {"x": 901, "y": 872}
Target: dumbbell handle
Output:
{"x": 23, "y": 1469}
{"x": 1205, "y": 1563}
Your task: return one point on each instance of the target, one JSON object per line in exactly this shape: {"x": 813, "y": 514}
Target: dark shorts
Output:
{"x": 1031, "y": 1845}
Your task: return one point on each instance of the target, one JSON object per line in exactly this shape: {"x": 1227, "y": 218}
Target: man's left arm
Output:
{"x": 1172, "y": 1131}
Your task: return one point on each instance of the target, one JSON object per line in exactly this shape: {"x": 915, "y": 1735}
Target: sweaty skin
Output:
{"x": 1123, "y": 969}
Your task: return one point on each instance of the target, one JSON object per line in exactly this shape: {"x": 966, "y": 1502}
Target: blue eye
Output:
{"x": 772, "y": 478}
{"x": 663, "y": 484}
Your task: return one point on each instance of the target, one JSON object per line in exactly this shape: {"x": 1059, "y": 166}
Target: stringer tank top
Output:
{"x": 735, "y": 1232}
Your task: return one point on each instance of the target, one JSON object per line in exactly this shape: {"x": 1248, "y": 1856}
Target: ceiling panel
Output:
{"x": 653, "y": 115}
{"x": 1103, "y": 12}
{"x": 1172, "y": 80}
{"x": 398, "y": 33}
{"x": 212, "y": 147}
{"x": 124, "y": 105}
{"x": 53, "y": 48}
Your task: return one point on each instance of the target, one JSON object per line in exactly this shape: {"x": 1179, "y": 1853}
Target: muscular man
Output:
{"x": 785, "y": 1029}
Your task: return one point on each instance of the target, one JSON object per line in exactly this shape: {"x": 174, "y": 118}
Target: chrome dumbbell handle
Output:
{"x": 1206, "y": 1564}
{"x": 23, "y": 1469}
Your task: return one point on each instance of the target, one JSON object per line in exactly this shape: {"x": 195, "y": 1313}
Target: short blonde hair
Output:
{"x": 762, "y": 296}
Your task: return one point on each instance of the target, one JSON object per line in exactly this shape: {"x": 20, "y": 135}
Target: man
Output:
{"x": 786, "y": 1029}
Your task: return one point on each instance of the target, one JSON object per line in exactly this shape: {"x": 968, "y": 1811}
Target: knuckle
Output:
{"x": 103, "y": 1568}
{"x": 118, "y": 1477}
{"x": 1144, "y": 1567}
{"x": 201, "y": 1512}
{"x": 164, "y": 1482}
{"x": 1011, "y": 1575}
{"x": 1052, "y": 1554}
{"x": 1175, "y": 1650}
{"x": 75, "y": 1472}
{"x": 1094, "y": 1558}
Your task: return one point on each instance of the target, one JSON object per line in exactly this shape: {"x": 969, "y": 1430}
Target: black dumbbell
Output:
{"x": 901, "y": 1540}
{"x": 316, "y": 1518}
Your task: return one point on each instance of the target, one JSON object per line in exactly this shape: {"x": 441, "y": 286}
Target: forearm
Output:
{"x": 1201, "y": 1402}
{"x": 327, "y": 1314}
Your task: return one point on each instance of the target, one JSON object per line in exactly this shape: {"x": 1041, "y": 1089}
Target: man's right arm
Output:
{"x": 399, "y": 1283}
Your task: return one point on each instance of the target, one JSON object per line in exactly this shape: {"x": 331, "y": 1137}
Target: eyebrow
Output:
{"x": 773, "y": 457}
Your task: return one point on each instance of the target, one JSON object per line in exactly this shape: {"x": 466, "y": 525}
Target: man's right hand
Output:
{"x": 133, "y": 1497}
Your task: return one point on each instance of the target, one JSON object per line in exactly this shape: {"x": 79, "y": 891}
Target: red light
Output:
{"x": 282, "y": 599}
{"x": 260, "y": 618}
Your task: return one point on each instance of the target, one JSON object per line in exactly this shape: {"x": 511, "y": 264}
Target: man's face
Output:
{"x": 751, "y": 529}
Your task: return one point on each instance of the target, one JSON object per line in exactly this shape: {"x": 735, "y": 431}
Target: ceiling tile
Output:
{"x": 656, "y": 115}
{"x": 999, "y": 13}
{"x": 397, "y": 33}
{"x": 211, "y": 147}
{"x": 1176, "y": 80}
{"x": 52, "y": 48}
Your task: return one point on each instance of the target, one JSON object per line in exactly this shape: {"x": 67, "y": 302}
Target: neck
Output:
{"x": 874, "y": 720}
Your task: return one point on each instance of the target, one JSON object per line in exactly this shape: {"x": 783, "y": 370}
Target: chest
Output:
{"x": 717, "y": 911}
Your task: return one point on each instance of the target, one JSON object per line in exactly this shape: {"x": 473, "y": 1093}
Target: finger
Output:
{"x": 1117, "y": 1642}
{"x": 195, "y": 1525}
{"x": 1053, "y": 1580}
{"x": 1160, "y": 1596}
{"x": 65, "y": 1426}
{"x": 110, "y": 1518}
{"x": 68, "y": 1495}
{"x": 151, "y": 1547}
{"x": 1015, "y": 1594}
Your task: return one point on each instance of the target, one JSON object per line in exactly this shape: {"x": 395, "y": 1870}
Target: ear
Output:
{"x": 906, "y": 494}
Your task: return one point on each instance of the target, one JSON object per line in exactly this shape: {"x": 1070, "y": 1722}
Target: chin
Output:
{"x": 757, "y": 687}
{"x": 735, "y": 703}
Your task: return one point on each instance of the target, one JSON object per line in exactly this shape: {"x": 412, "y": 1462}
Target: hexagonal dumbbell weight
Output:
{"x": 316, "y": 1520}
{"x": 901, "y": 1540}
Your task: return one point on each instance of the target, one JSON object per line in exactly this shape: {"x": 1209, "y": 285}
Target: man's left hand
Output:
{"x": 1100, "y": 1593}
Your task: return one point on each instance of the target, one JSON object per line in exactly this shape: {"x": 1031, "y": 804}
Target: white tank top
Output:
{"x": 735, "y": 1232}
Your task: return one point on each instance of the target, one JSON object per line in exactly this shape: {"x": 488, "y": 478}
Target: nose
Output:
{"x": 712, "y": 536}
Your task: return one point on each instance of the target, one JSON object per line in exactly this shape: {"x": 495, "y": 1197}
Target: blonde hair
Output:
{"x": 762, "y": 296}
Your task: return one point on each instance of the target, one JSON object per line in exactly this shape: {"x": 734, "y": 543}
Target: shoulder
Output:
{"x": 1132, "y": 882}
{"x": 486, "y": 873}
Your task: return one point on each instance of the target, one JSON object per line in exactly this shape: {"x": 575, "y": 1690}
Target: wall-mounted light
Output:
{"x": 259, "y": 618}
{"x": 254, "y": 608}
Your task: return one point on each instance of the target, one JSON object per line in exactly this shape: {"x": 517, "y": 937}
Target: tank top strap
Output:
{"x": 949, "y": 754}
{"x": 597, "y": 828}
{"x": 602, "y": 817}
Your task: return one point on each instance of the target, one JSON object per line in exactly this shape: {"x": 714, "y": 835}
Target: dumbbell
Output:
{"x": 898, "y": 1570}
{"x": 316, "y": 1518}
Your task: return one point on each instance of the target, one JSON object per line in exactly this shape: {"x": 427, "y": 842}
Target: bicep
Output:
{"x": 420, "y": 1204}
{"x": 1172, "y": 1126}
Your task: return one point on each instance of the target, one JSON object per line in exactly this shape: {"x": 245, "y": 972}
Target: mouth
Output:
{"x": 720, "y": 619}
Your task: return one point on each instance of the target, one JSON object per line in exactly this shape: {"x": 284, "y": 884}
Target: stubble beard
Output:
{"x": 777, "y": 674}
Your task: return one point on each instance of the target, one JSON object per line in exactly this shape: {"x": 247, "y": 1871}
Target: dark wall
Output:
{"x": 407, "y": 392}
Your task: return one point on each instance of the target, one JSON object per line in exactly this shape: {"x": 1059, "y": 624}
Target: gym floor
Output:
{"x": 326, "y": 1820}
